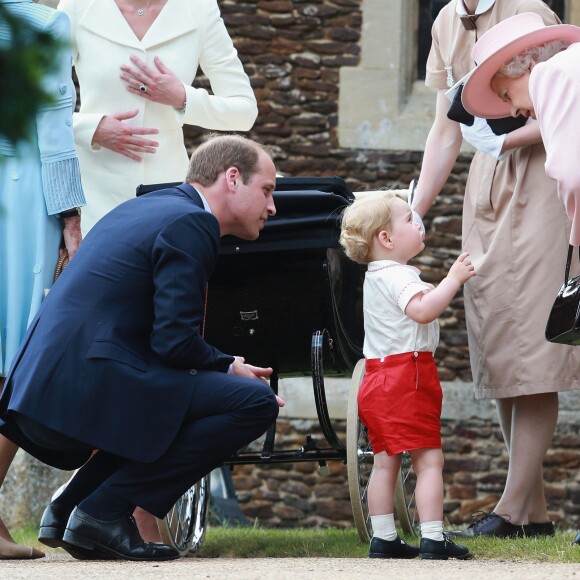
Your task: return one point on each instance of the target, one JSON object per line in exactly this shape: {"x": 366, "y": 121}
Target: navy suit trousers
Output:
{"x": 226, "y": 413}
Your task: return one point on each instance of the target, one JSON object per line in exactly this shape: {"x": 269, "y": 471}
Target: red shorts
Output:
{"x": 399, "y": 402}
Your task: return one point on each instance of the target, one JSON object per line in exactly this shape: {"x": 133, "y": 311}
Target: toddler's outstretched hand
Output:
{"x": 462, "y": 270}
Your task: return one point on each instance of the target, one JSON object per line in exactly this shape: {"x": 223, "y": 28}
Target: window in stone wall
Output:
{"x": 428, "y": 10}
{"x": 383, "y": 101}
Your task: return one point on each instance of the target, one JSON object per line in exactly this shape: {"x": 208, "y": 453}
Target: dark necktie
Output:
{"x": 468, "y": 21}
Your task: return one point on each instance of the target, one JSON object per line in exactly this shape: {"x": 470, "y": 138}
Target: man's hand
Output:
{"x": 242, "y": 369}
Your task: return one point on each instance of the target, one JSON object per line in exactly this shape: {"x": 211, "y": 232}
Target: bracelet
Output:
{"x": 75, "y": 211}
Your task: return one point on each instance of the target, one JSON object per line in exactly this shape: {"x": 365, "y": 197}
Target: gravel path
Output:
{"x": 62, "y": 567}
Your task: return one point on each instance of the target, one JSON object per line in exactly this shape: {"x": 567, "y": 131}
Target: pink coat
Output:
{"x": 555, "y": 93}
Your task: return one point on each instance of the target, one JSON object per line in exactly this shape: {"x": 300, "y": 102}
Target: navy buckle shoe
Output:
{"x": 442, "y": 550}
{"x": 396, "y": 548}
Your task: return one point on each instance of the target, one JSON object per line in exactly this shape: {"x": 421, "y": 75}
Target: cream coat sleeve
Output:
{"x": 232, "y": 106}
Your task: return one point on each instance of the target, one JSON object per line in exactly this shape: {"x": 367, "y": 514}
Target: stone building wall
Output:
{"x": 297, "y": 495}
{"x": 293, "y": 51}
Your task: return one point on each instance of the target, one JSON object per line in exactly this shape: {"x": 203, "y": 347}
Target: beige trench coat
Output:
{"x": 516, "y": 230}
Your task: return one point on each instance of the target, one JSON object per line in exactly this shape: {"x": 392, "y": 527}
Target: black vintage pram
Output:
{"x": 293, "y": 301}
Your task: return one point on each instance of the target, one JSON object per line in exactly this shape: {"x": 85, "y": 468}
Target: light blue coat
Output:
{"x": 38, "y": 178}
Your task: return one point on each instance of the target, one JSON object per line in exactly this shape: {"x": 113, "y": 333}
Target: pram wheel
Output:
{"x": 360, "y": 461}
{"x": 359, "y": 458}
{"x": 185, "y": 525}
{"x": 405, "y": 497}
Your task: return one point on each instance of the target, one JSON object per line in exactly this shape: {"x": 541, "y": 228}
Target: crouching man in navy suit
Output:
{"x": 115, "y": 361}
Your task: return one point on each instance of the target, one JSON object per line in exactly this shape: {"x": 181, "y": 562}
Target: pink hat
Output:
{"x": 497, "y": 47}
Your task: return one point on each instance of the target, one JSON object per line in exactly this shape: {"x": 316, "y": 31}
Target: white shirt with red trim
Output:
{"x": 388, "y": 288}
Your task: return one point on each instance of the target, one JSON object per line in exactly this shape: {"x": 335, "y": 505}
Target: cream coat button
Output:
{"x": 68, "y": 122}
{"x": 14, "y": 176}
{"x": 63, "y": 89}
{"x": 36, "y": 268}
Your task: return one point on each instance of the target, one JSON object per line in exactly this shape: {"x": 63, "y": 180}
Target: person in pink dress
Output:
{"x": 515, "y": 230}
{"x": 527, "y": 68}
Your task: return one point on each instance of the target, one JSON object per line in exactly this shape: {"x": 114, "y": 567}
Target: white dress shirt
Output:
{"x": 388, "y": 288}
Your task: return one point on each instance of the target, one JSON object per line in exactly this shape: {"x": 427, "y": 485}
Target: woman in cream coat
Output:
{"x": 135, "y": 62}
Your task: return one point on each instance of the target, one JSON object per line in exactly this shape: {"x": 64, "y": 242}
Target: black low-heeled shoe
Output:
{"x": 113, "y": 540}
{"x": 490, "y": 524}
{"x": 539, "y": 529}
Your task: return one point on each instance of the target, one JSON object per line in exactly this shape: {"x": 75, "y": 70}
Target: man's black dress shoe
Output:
{"x": 442, "y": 550}
{"x": 392, "y": 549}
{"x": 490, "y": 524}
{"x": 52, "y": 527}
{"x": 116, "y": 540}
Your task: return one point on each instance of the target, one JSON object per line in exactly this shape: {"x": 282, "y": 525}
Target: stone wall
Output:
{"x": 293, "y": 51}
{"x": 476, "y": 462}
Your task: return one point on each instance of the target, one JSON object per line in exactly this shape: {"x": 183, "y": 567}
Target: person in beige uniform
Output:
{"x": 516, "y": 231}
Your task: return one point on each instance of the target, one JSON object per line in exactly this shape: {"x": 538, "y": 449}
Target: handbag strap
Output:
{"x": 569, "y": 263}
{"x": 61, "y": 264}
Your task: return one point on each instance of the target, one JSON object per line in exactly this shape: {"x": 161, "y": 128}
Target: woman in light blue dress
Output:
{"x": 40, "y": 196}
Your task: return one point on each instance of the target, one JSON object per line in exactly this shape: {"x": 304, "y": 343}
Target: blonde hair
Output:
{"x": 363, "y": 220}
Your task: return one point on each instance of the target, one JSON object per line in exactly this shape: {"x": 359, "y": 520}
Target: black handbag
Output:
{"x": 564, "y": 320}
{"x": 506, "y": 124}
{"x": 457, "y": 112}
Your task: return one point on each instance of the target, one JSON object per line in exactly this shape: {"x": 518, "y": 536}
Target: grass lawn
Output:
{"x": 224, "y": 542}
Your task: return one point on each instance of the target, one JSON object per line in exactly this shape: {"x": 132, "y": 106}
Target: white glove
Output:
{"x": 483, "y": 138}
{"x": 416, "y": 217}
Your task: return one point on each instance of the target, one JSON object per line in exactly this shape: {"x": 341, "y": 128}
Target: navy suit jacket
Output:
{"x": 115, "y": 351}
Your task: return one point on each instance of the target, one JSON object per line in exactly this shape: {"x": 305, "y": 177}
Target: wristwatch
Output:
{"x": 69, "y": 213}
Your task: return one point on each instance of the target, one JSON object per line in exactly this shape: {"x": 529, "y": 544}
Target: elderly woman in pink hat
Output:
{"x": 514, "y": 228}
{"x": 527, "y": 68}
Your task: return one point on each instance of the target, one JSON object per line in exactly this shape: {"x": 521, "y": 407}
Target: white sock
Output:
{"x": 384, "y": 527}
{"x": 432, "y": 531}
